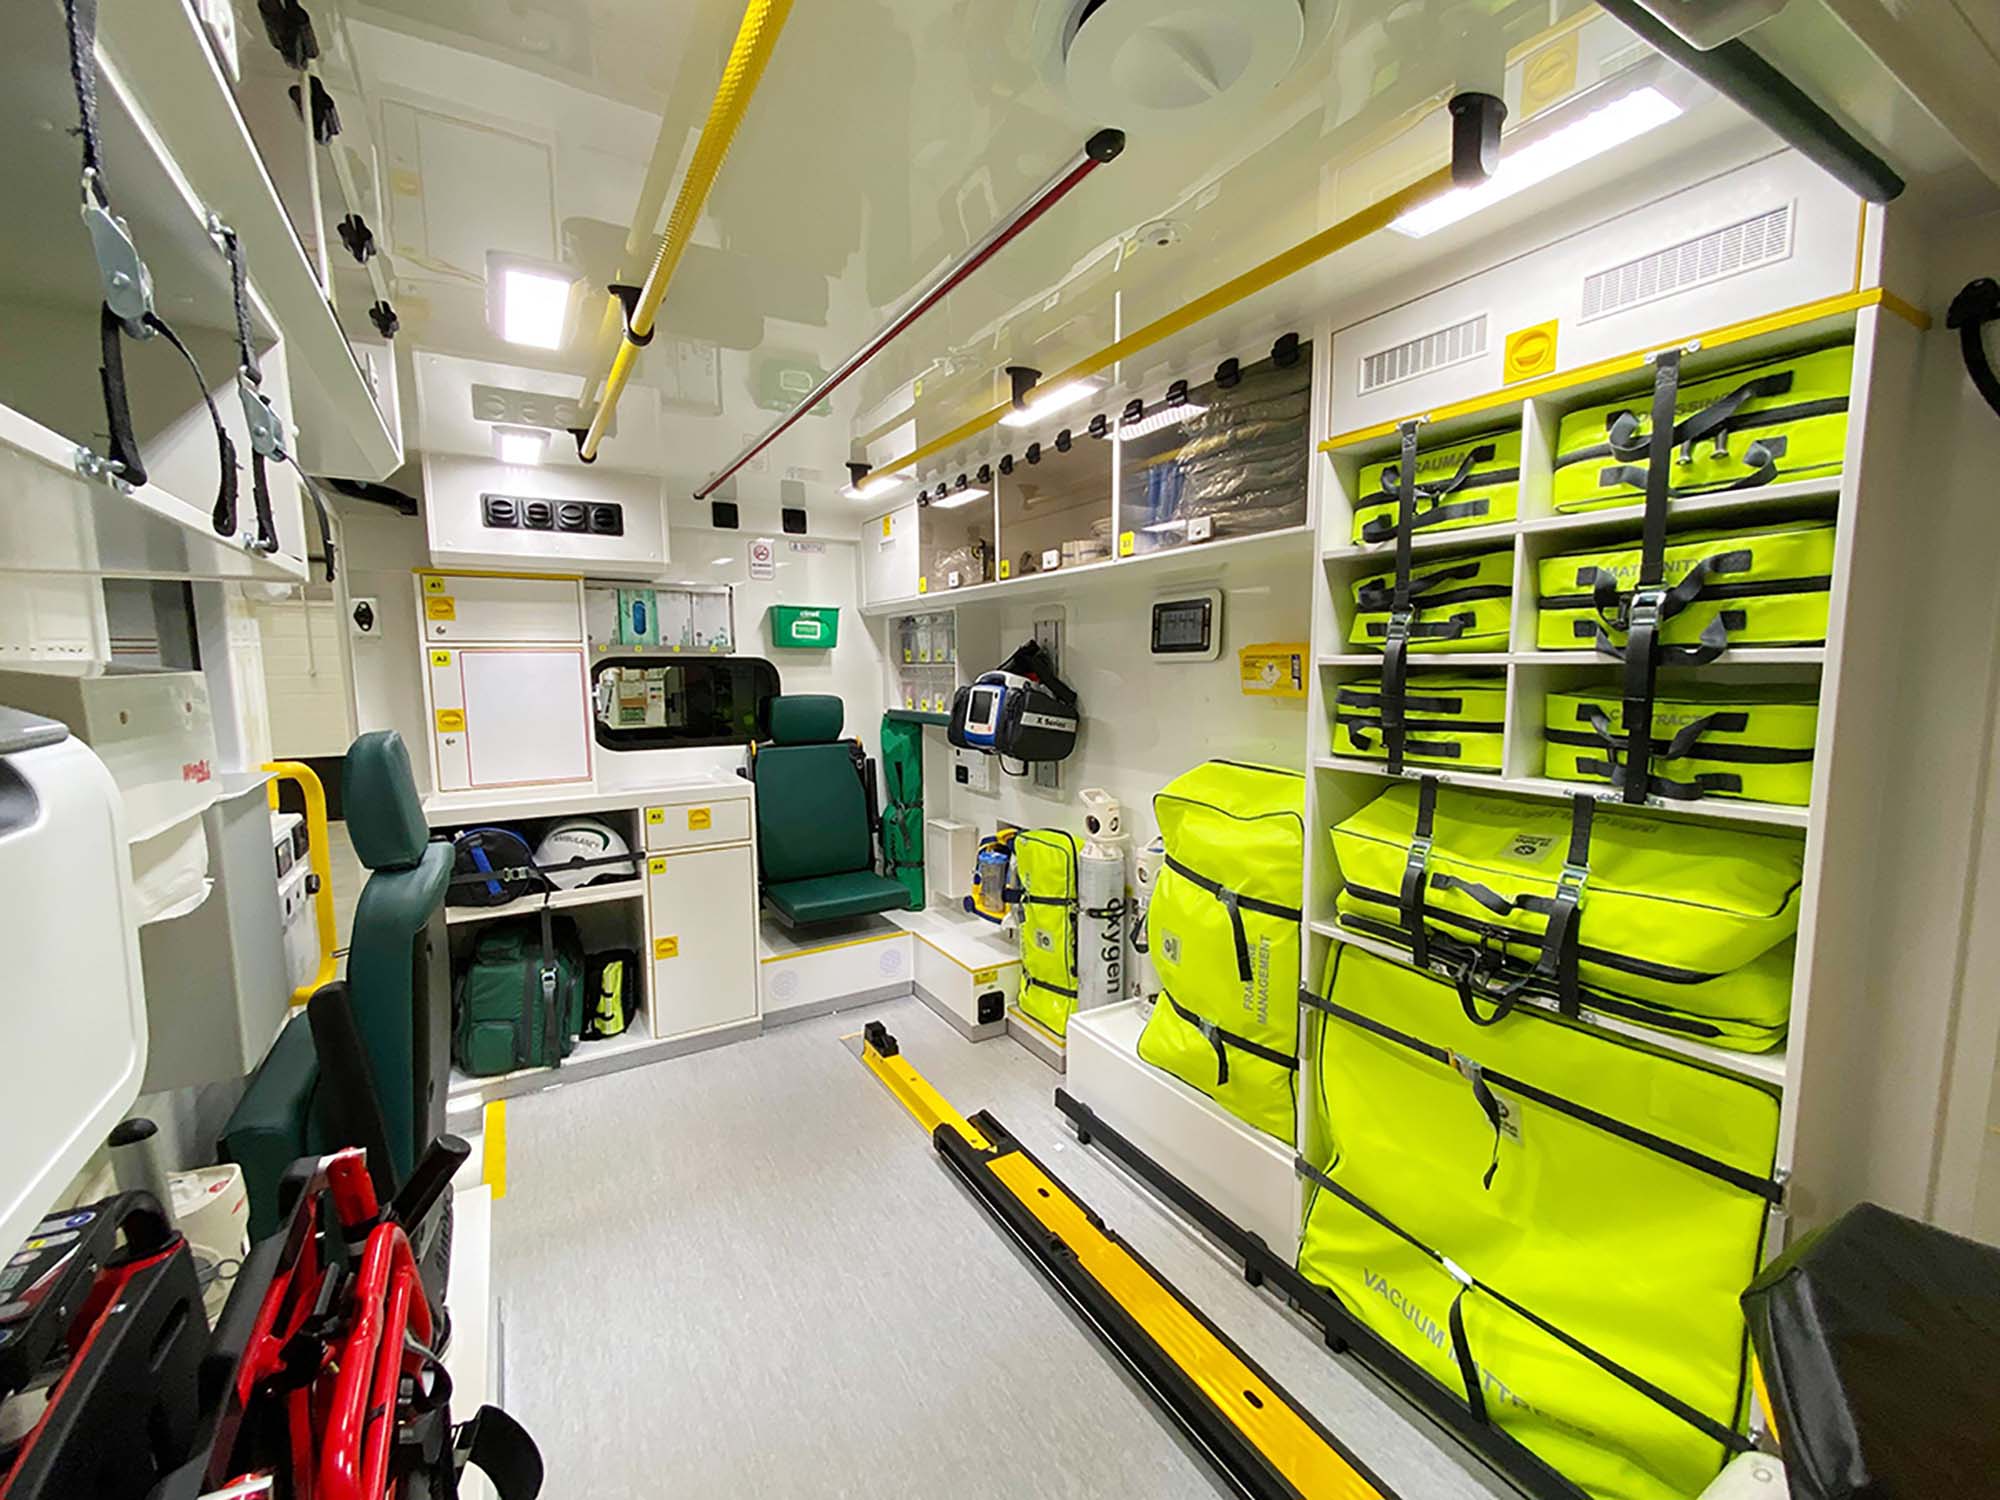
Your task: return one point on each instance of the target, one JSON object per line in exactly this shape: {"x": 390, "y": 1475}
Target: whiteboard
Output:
{"x": 527, "y": 715}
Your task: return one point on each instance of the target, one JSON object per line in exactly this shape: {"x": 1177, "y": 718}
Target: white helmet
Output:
{"x": 575, "y": 840}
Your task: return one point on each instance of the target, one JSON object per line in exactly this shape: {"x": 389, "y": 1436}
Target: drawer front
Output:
{"x": 695, "y": 825}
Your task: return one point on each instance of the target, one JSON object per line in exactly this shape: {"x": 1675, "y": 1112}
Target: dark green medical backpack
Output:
{"x": 504, "y": 1016}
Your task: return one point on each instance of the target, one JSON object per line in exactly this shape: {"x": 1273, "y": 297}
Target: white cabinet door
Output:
{"x": 889, "y": 556}
{"x": 460, "y": 607}
{"x": 704, "y": 915}
{"x": 509, "y": 716}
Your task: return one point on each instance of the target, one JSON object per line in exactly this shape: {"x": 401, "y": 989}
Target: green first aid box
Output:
{"x": 805, "y": 627}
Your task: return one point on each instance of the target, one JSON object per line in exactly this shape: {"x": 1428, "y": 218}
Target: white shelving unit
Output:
{"x": 528, "y": 906}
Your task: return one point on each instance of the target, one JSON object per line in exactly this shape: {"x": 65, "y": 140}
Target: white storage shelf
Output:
{"x": 528, "y": 906}
{"x": 1343, "y": 782}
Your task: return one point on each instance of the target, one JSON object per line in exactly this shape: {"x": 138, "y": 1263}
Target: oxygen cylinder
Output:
{"x": 1101, "y": 903}
{"x": 1145, "y": 873}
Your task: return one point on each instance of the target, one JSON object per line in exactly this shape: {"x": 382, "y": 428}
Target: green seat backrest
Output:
{"x": 812, "y": 809}
{"x": 393, "y": 948}
{"x": 276, "y": 1121}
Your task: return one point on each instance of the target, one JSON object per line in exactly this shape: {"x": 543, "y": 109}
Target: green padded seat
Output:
{"x": 815, "y": 839}
{"x": 277, "y": 1121}
{"x": 827, "y": 898}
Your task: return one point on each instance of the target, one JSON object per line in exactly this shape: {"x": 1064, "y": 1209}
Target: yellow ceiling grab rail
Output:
{"x": 755, "y": 40}
{"x": 1350, "y": 230}
{"x": 322, "y": 865}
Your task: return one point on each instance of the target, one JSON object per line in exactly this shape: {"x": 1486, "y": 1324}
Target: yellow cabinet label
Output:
{"x": 985, "y": 976}
{"x": 666, "y": 947}
{"x": 434, "y": 583}
{"x": 698, "y": 818}
{"x": 441, "y": 609}
{"x": 451, "y": 720}
{"x": 656, "y": 816}
{"x": 656, "y": 866}
{"x": 888, "y": 525}
{"x": 923, "y": 584}
{"x": 1126, "y": 542}
{"x": 1006, "y": 569}
{"x": 440, "y": 658}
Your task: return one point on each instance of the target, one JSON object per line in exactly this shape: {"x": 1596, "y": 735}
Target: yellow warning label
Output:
{"x": 440, "y": 658}
{"x": 985, "y": 976}
{"x": 451, "y": 720}
{"x": 434, "y": 583}
{"x": 1126, "y": 542}
{"x": 656, "y": 866}
{"x": 1276, "y": 669}
{"x": 1530, "y": 352}
{"x": 441, "y": 609}
{"x": 923, "y": 585}
{"x": 698, "y": 817}
{"x": 1006, "y": 569}
{"x": 667, "y": 947}
{"x": 1548, "y": 76}
{"x": 656, "y": 815}
{"x": 888, "y": 525}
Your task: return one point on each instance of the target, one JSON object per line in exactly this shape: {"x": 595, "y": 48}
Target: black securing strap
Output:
{"x": 1236, "y": 904}
{"x": 1410, "y": 898}
{"x": 1646, "y": 612}
{"x": 1043, "y": 984}
{"x": 1402, "y": 609}
{"x": 1222, "y": 1040}
{"x": 500, "y": 1448}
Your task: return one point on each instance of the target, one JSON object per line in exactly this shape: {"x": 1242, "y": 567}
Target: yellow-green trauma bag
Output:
{"x": 1450, "y": 719}
{"x": 1746, "y": 741}
{"x": 1461, "y": 604}
{"x": 1784, "y": 419}
{"x": 1473, "y": 483}
{"x": 1766, "y": 586}
{"x": 1682, "y": 926}
{"x": 1223, "y": 929}
{"x": 1045, "y": 868}
{"x": 1551, "y": 1222}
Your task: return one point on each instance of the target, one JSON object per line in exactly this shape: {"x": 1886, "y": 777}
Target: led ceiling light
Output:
{"x": 959, "y": 497}
{"x": 520, "y": 445}
{"x": 1603, "y": 129}
{"x": 1051, "y": 400}
{"x": 873, "y": 485}
{"x": 532, "y": 303}
{"x": 1166, "y": 416}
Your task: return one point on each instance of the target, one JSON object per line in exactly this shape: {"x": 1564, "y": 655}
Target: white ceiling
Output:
{"x": 888, "y": 135}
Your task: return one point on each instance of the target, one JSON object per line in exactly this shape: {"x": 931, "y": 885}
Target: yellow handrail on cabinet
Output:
{"x": 322, "y": 866}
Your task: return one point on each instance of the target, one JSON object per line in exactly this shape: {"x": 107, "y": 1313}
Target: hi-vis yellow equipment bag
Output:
{"x": 1687, "y": 927}
{"x": 1461, "y": 604}
{"x": 1551, "y": 1221}
{"x": 1045, "y": 868}
{"x": 1766, "y": 586}
{"x": 1223, "y": 928}
{"x": 1473, "y": 483}
{"x": 1784, "y": 419}
{"x": 1743, "y": 740}
{"x": 1449, "y": 719}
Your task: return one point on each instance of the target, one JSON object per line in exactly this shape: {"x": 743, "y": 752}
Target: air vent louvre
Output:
{"x": 538, "y": 515}
{"x": 1419, "y": 356}
{"x": 1759, "y": 240}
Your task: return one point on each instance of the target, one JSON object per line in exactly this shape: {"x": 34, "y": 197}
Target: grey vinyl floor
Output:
{"x": 745, "y": 1272}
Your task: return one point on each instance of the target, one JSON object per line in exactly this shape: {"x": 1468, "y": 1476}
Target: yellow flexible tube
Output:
{"x": 756, "y": 38}
{"x": 322, "y": 864}
{"x": 1355, "y": 227}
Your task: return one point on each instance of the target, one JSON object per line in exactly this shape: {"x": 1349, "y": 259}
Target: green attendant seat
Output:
{"x": 815, "y": 819}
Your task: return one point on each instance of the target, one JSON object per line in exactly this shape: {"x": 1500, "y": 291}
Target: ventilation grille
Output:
{"x": 1433, "y": 351}
{"x": 1742, "y": 246}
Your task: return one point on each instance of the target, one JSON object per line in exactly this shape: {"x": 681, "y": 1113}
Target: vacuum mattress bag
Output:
{"x": 1495, "y": 1202}
{"x": 1783, "y": 419}
{"x": 1473, "y": 483}
{"x": 1767, "y": 586}
{"x": 1749, "y": 741}
{"x": 1460, "y": 604}
{"x": 1684, "y": 926}
{"x": 1045, "y": 871}
{"x": 1223, "y": 930}
{"x": 1448, "y": 720}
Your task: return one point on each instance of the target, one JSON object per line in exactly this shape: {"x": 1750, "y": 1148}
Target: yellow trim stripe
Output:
{"x": 1622, "y": 364}
{"x": 493, "y": 1148}
{"x": 756, "y": 39}
{"x": 880, "y": 937}
{"x": 1355, "y": 227}
{"x": 1264, "y": 1415}
{"x": 913, "y": 1091}
{"x": 998, "y": 963}
{"x": 495, "y": 573}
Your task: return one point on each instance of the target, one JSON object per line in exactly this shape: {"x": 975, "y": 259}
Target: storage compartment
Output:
{"x": 694, "y": 825}
{"x": 923, "y": 651}
{"x": 955, "y": 536}
{"x": 1451, "y": 720}
{"x": 704, "y": 939}
{"x": 507, "y": 716}
{"x": 1055, "y": 502}
{"x": 1458, "y": 603}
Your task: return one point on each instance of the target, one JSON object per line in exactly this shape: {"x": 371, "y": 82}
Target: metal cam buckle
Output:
{"x": 267, "y": 428}
{"x": 128, "y": 285}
